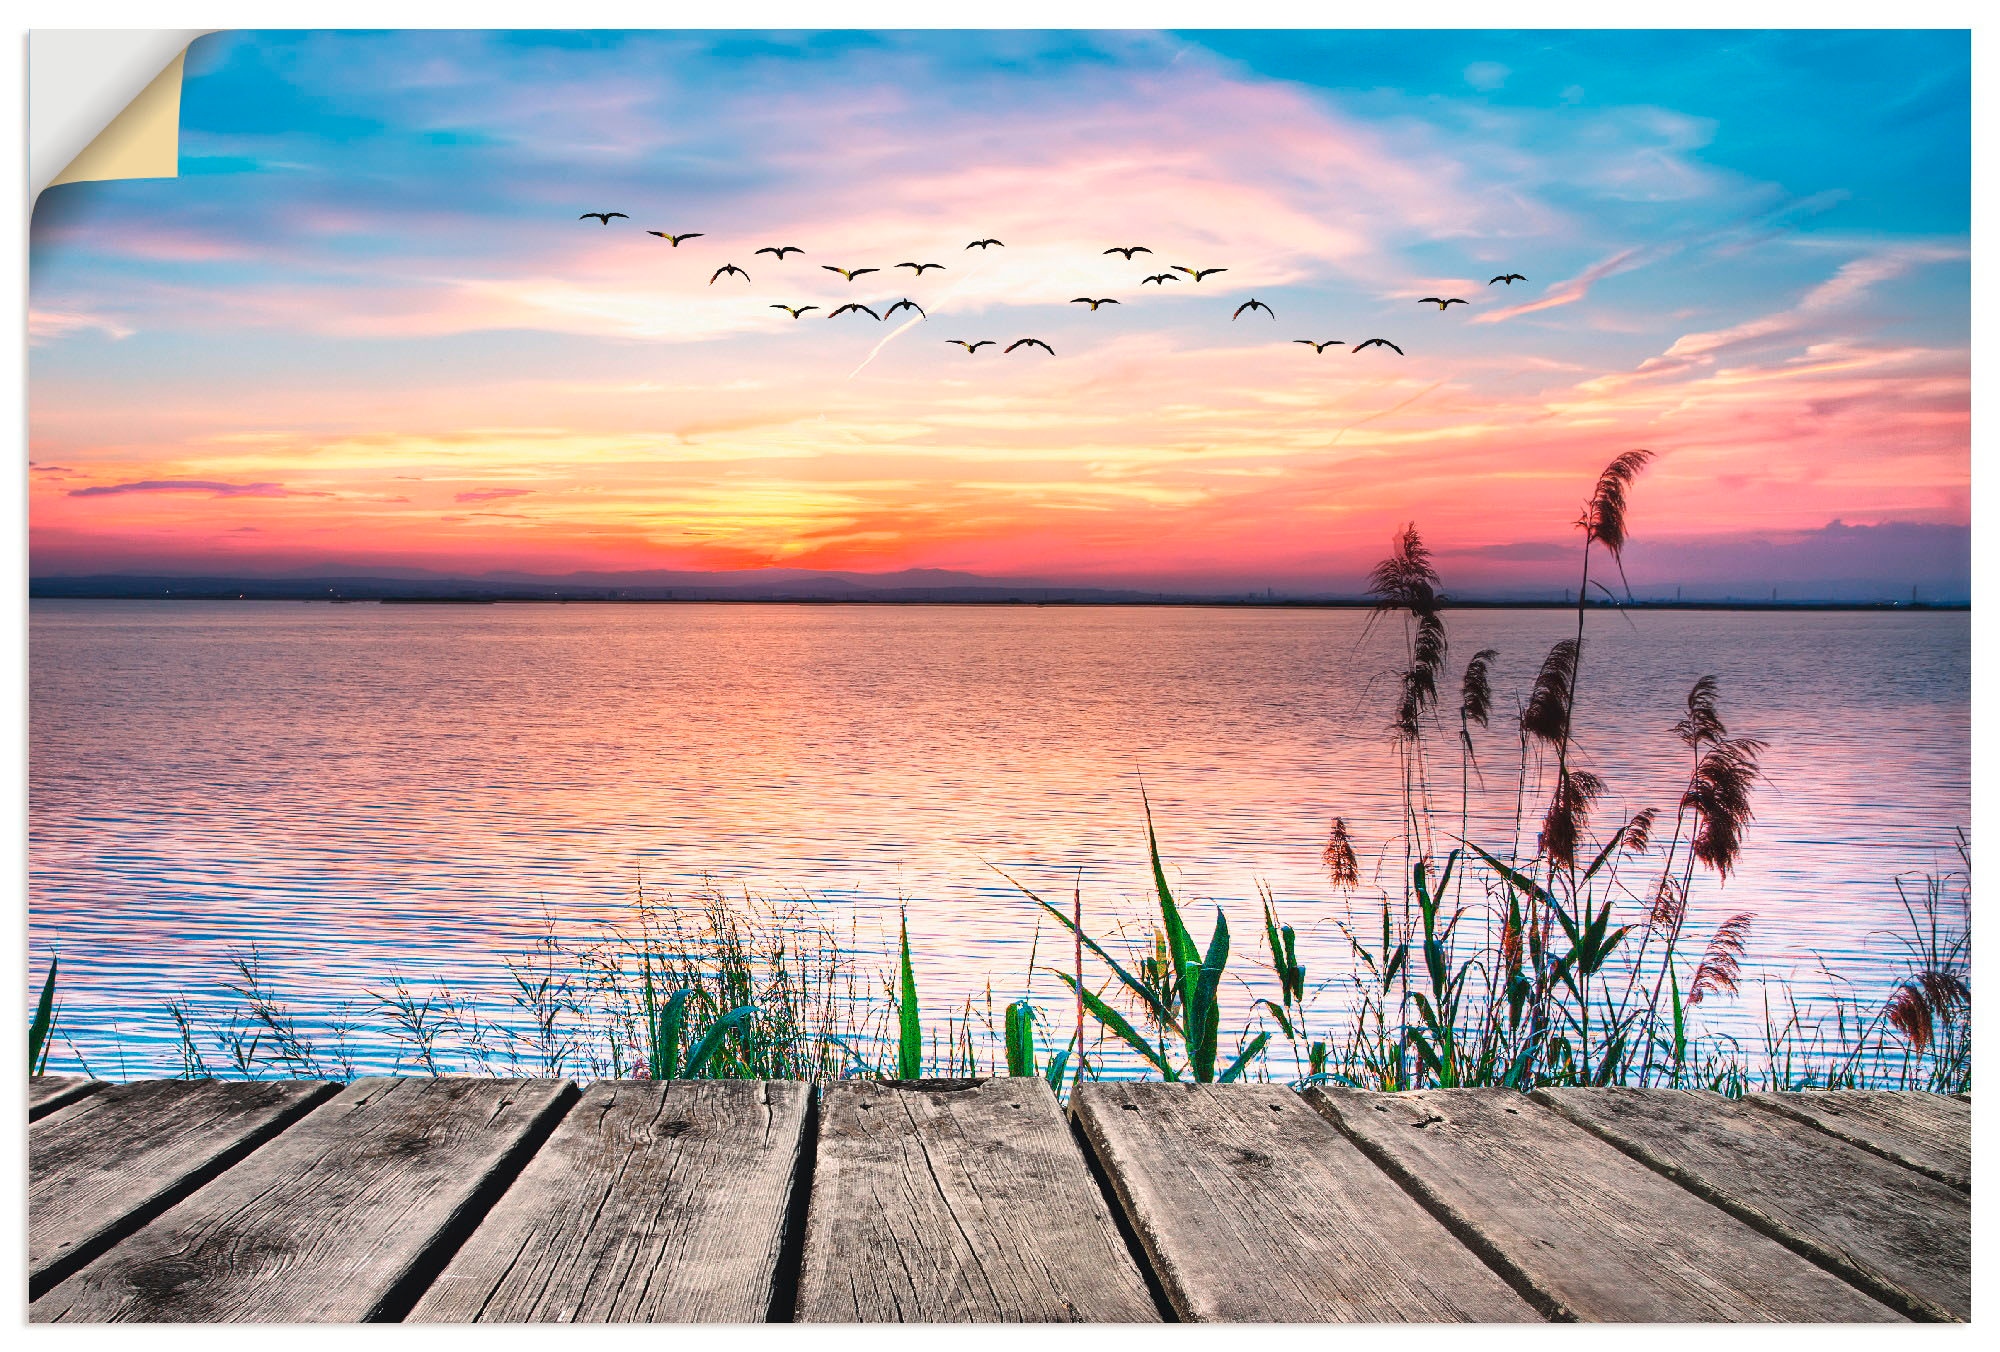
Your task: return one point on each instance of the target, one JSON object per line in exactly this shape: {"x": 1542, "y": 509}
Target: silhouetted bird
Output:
{"x": 781, "y": 250}
{"x": 1031, "y": 342}
{"x": 795, "y": 310}
{"x": 1440, "y": 302}
{"x": 675, "y": 240}
{"x": 1129, "y": 251}
{"x": 982, "y": 243}
{"x": 971, "y": 348}
{"x": 1093, "y": 304}
{"x": 603, "y": 217}
{"x": 852, "y": 306}
{"x": 1198, "y": 275}
{"x": 849, "y": 273}
{"x": 905, "y": 304}
{"x": 1320, "y": 347}
{"x": 1379, "y": 342}
{"x": 1161, "y": 277}
{"x": 918, "y": 268}
{"x": 728, "y": 267}
{"x": 1254, "y": 304}
{"x": 1508, "y": 277}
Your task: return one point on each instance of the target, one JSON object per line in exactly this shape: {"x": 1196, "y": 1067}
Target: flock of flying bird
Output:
{"x": 1160, "y": 279}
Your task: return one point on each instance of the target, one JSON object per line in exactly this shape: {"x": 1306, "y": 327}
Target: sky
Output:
{"x": 366, "y": 328}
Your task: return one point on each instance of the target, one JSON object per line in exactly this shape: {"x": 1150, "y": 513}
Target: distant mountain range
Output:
{"x": 910, "y": 586}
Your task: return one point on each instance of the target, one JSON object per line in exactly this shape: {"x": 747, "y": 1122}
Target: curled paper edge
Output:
{"x": 81, "y": 82}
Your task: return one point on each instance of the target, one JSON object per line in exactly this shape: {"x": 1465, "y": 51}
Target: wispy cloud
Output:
{"x": 203, "y": 486}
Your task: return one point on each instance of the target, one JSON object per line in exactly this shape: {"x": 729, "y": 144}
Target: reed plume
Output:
{"x": 1475, "y": 701}
{"x": 1703, "y": 722}
{"x": 1406, "y": 580}
{"x": 1909, "y": 1013}
{"x": 1338, "y": 856}
{"x": 1568, "y": 815}
{"x": 1546, "y": 714}
{"x": 1721, "y": 965}
{"x": 1669, "y": 906}
{"x": 1400, "y": 581}
{"x": 1719, "y": 795}
{"x": 1639, "y": 831}
{"x": 1603, "y": 517}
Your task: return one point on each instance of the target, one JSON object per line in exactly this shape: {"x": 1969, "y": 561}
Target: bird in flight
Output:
{"x": 904, "y": 304}
{"x": 918, "y": 268}
{"x": 1162, "y": 278}
{"x": 603, "y": 217}
{"x": 1320, "y": 347}
{"x": 1254, "y": 304}
{"x": 795, "y": 310}
{"x": 1093, "y": 304}
{"x": 675, "y": 240}
{"x": 1508, "y": 277}
{"x": 1442, "y": 302}
{"x": 1128, "y": 251}
{"x": 1031, "y": 342}
{"x": 852, "y": 306}
{"x": 971, "y": 348}
{"x": 728, "y": 267}
{"x": 1198, "y": 275}
{"x": 982, "y": 243}
{"x": 781, "y": 250}
{"x": 1379, "y": 342}
{"x": 849, "y": 273}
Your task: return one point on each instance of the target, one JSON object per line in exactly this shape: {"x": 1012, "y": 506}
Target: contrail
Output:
{"x": 887, "y": 338}
{"x": 1383, "y": 414}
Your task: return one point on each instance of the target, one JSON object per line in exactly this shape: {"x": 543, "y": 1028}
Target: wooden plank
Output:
{"x": 951, "y": 1201}
{"x": 1931, "y": 1133}
{"x": 1579, "y": 1228}
{"x": 46, "y": 1093}
{"x": 1903, "y": 1238}
{"x": 343, "y": 1217}
{"x": 1252, "y": 1207}
{"x": 652, "y": 1202}
{"x": 100, "y": 1170}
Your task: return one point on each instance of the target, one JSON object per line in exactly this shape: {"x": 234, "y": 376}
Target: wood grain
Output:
{"x": 652, "y": 1202}
{"x": 343, "y": 1217}
{"x": 947, "y": 1201}
{"x": 1903, "y": 1238}
{"x": 46, "y": 1093}
{"x": 1580, "y": 1228}
{"x": 1931, "y": 1133}
{"x": 113, "y": 1161}
{"x": 1252, "y": 1207}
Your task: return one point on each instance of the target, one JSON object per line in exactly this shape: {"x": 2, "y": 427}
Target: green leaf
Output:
{"x": 44, "y": 1022}
{"x": 1179, "y": 941}
{"x": 1204, "y": 1016}
{"x": 1058, "y": 1064}
{"x": 664, "y": 1060}
{"x": 1604, "y": 854}
{"x": 1020, "y": 1022}
{"x": 711, "y": 1040}
{"x": 1278, "y": 1012}
{"x": 1160, "y": 1013}
{"x": 1513, "y": 876}
{"x": 910, "y": 1030}
{"x": 1243, "y": 1059}
{"x": 1115, "y": 1021}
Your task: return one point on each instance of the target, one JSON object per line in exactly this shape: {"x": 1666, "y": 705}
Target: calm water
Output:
{"x": 364, "y": 789}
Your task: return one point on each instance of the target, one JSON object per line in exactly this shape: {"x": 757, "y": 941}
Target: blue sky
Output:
{"x": 1747, "y": 250}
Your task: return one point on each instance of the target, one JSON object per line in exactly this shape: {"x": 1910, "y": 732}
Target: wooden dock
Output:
{"x": 939, "y": 1201}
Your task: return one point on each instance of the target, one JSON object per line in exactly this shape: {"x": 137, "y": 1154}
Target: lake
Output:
{"x": 366, "y": 789}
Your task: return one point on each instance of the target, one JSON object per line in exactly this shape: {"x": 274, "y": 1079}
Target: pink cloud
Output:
{"x": 491, "y": 494}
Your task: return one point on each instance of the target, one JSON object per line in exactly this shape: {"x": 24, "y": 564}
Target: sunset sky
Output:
{"x": 365, "y": 327}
